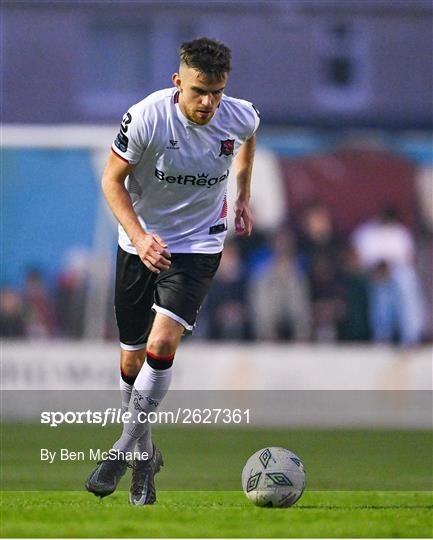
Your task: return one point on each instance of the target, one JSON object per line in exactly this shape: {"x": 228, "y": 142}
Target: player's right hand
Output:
{"x": 154, "y": 253}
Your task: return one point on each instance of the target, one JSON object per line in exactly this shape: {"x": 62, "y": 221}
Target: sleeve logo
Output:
{"x": 122, "y": 139}
{"x": 227, "y": 147}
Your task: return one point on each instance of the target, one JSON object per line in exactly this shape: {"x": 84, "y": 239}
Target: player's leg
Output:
{"x": 152, "y": 382}
{"x": 130, "y": 365}
{"x": 179, "y": 294}
{"x": 104, "y": 479}
{"x": 149, "y": 390}
{"x": 133, "y": 300}
{"x": 165, "y": 335}
{"x": 134, "y": 294}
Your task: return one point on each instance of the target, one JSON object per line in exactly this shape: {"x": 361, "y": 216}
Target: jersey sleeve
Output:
{"x": 250, "y": 118}
{"x": 131, "y": 141}
{"x": 256, "y": 117}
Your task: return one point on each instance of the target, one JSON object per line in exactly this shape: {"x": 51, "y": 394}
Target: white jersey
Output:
{"x": 179, "y": 183}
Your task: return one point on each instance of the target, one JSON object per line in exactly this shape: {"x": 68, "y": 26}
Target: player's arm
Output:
{"x": 243, "y": 168}
{"x": 151, "y": 249}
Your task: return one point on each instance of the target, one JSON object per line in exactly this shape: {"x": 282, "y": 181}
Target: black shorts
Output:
{"x": 177, "y": 292}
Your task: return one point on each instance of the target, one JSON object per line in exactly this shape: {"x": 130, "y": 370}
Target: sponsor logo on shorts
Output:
{"x": 200, "y": 180}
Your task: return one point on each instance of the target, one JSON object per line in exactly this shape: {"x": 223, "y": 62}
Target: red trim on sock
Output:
{"x": 156, "y": 357}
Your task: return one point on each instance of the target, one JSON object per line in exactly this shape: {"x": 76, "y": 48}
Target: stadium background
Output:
{"x": 344, "y": 89}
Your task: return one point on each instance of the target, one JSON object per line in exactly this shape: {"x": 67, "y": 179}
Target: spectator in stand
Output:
{"x": 318, "y": 250}
{"x": 71, "y": 293}
{"x": 278, "y": 294}
{"x": 316, "y": 238}
{"x": 354, "y": 323}
{"x": 39, "y": 309}
{"x": 326, "y": 296}
{"x": 384, "y": 238}
{"x": 386, "y": 249}
{"x": 225, "y": 306}
{"x": 12, "y": 323}
{"x": 384, "y": 305}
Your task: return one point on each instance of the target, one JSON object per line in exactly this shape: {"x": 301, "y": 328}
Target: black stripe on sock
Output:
{"x": 129, "y": 379}
{"x": 159, "y": 362}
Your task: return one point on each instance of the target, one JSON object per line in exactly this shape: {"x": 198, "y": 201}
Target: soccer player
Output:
{"x": 166, "y": 183}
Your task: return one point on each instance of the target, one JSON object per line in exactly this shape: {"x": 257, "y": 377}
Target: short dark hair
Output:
{"x": 208, "y": 56}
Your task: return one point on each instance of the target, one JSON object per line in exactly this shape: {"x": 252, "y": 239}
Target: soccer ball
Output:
{"x": 273, "y": 477}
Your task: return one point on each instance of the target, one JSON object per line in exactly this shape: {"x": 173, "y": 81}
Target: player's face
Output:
{"x": 199, "y": 95}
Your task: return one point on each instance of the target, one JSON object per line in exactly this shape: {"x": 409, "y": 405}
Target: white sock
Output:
{"x": 150, "y": 387}
{"x": 125, "y": 393}
{"x": 144, "y": 443}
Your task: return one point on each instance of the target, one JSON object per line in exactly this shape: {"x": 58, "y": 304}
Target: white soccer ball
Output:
{"x": 273, "y": 477}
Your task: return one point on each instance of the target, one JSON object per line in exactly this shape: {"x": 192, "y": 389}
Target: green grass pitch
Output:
{"x": 217, "y": 515}
{"x": 359, "y": 484}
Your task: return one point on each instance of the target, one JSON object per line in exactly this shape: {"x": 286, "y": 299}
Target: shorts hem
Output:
{"x": 168, "y": 313}
{"x": 138, "y": 347}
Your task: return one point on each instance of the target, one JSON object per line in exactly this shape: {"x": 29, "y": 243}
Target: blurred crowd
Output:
{"x": 303, "y": 283}
{"x": 300, "y": 282}
{"x": 48, "y": 311}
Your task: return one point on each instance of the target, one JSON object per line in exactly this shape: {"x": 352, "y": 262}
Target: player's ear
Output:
{"x": 176, "y": 80}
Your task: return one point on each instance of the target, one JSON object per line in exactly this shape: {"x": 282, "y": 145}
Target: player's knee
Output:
{"x": 131, "y": 362}
{"x": 162, "y": 345}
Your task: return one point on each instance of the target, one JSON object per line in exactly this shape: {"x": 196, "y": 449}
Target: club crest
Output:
{"x": 227, "y": 147}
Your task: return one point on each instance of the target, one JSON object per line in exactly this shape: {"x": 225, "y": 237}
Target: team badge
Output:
{"x": 227, "y": 147}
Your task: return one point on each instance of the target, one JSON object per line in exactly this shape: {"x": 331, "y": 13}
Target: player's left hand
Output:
{"x": 243, "y": 218}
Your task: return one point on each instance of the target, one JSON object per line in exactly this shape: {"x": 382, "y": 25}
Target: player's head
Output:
{"x": 209, "y": 57}
{"x": 204, "y": 67}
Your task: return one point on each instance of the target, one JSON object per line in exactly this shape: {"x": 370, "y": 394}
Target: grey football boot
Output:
{"x": 143, "y": 483}
{"x": 103, "y": 480}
